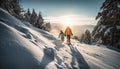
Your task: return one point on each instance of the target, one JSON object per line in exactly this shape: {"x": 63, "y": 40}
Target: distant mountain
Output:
{"x": 76, "y": 29}
{"x": 80, "y": 29}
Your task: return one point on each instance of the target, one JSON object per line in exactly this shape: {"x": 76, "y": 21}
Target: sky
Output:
{"x": 69, "y": 12}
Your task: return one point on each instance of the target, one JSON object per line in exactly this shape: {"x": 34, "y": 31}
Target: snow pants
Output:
{"x": 68, "y": 38}
{"x": 62, "y": 39}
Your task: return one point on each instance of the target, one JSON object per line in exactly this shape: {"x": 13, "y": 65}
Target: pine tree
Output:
{"x": 110, "y": 13}
{"x": 47, "y": 27}
{"x": 33, "y": 17}
{"x": 27, "y": 16}
{"x": 40, "y": 21}
{"x": 87, "y": 37}
{"x": 13, "y": 7}
{"x": 109, "y": 20}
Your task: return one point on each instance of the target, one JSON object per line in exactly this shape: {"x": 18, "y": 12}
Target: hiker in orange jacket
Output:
{"x": 68, "y": 33}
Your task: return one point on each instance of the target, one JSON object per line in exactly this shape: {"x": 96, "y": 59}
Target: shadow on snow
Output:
{"x": 77, "y": 56}
{"x": 47, "y": 58}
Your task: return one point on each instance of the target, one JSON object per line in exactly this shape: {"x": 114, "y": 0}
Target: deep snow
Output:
{"x": 22, "y": 46}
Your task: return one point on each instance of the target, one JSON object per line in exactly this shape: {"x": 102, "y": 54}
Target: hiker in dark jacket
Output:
{"x": 61, "y": 35}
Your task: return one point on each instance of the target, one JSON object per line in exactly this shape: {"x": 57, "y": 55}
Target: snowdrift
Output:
{"x": 22, "y": 46}
{"x": 18, "y": 48}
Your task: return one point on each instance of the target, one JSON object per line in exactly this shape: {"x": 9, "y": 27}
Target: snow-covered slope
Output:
{"x": 23, "y": 46}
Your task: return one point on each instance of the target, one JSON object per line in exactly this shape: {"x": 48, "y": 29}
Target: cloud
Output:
{"x": 75, "y": 19}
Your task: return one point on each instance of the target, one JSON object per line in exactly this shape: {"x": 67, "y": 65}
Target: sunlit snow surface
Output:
{"x": 23, "y": 46}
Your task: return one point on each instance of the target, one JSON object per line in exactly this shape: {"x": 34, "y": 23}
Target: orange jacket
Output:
{"x": 68, "y": 31}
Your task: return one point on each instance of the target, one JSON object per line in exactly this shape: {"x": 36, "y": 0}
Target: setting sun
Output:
{"x": 67, "y": 21}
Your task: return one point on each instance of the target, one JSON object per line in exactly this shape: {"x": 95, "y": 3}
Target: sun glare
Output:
{"x": 67, "y": 21}
{"x": 70, "y": 20}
